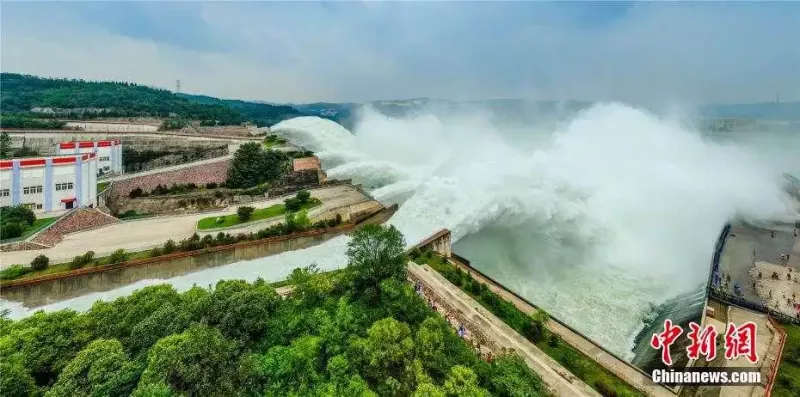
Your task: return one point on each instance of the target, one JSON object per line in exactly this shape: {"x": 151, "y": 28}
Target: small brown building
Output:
{"x": 310, "y": 165}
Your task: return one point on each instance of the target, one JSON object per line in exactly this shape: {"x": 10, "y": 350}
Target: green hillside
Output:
{"x": 81, "y": 99}
{"x": 259, "y": 113}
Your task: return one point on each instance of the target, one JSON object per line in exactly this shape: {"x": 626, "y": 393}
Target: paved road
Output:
{"x": 147, "y": 233}
{"x": 176, "y": 167}
{"x": 623, "y": 370}
{"x": 559, "y": 379}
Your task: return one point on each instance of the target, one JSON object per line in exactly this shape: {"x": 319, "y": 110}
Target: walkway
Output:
{"x": 176, "y": 167}
{"x": 556, "y": 377}
{"x": 622, "y": 369}
{"x": 137, "y": 235}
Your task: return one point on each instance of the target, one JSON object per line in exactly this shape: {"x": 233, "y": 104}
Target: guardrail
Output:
{"x": 774, "y": 370}
{"x": 714, "y": 281}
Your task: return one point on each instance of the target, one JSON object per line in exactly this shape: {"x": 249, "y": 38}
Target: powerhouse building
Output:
{"x": 48, "y": 184}
{"x": 109, "y": 153}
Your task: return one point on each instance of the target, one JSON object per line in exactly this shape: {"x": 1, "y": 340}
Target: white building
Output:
{"x": 109, "y": 153}
{"x": 49, "y": 184}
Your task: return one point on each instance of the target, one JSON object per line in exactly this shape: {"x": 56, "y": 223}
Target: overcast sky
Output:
{"x": 356, "y": 51}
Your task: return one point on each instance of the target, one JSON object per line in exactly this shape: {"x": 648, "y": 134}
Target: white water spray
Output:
{"x": 613, "y": 212}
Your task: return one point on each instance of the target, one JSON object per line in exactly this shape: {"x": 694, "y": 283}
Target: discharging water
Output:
{"x": 599, "y": 218}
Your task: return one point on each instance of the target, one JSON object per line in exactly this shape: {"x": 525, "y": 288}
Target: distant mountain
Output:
{"x": 789, "y": 111}
{"x": 33, "y": 102}
{"x": 30, "y": 96}
{"x": 260, "y": 113}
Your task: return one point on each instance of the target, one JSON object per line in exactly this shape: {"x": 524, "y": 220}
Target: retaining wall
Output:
{"x": 46, "y": 289}
{"x": 199, "y": 174}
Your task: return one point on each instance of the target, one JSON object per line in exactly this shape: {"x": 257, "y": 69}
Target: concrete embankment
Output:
{"x": 56, "y": 287}
{"x": 440, "y": 243}
{"x": 151, "y": 232}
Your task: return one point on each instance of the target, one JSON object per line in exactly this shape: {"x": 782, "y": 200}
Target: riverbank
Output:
{"x": 37, "y": 291}
{"x": 143, "y": 234}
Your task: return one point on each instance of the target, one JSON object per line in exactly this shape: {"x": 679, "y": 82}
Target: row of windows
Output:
{"x": 105, "y": 158}
{"x": 33, "y": 206}
{"x": 32, "y": 189}
{"x": 37, "y": 189}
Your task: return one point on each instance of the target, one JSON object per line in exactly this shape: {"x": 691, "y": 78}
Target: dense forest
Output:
{"x": 80, "y": 99}
{"x": 358, "y": 332}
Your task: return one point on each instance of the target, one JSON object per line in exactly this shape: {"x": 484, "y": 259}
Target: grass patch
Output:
{"x": 38, "y": 224}
{"x": 787, "y": 382}
{"x": 259, "y": 214}
{"x": 101, "y": 186}
{"x": 589, "y": 371}
{"x": 65, "y": 266}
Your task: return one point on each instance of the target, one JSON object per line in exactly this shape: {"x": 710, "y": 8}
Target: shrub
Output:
{"x": 301, "y": 221}
{"x": 553, "y": 340}
{"x": 11, "y": 230}
{"x": 13, "y": 272}
{"x": 82, "y": 260}
{"x": 191, "y": 186}
{"x": 220, "y": 219}
{"x": 303, "y": 196}
{"x": 244, "y": 213}
{"x": 169, "y": 247}
{"x": 117, "y": 256}
{"x": 604, "y": 389}
{"x": 293, "y": 204}
{"x": 40, "y": 263}
{"x": 211, "y": 185}
{"x": 135, "y": 193}
{"x": 208, "y": 241}
{"x": 155, "y": 252}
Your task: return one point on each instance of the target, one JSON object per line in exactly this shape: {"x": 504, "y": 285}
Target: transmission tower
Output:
{"x": 178, "y": 86}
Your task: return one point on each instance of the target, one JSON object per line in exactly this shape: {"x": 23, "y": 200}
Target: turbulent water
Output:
{"x": 598, "y": 218}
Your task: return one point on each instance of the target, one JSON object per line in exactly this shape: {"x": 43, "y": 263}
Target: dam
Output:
{"x": 583, "y": 242}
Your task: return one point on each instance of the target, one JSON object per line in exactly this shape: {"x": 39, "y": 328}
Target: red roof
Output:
{"x": 41, "y": 161}
{"x": 88, "y": 144}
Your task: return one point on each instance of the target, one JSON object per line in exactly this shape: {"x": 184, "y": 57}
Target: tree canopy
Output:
{"x": 239, "y": 338}
{"x": 252, "y": 165}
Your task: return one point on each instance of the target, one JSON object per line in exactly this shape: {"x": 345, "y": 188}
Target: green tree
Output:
{"x": 5, "y": 145}
{"x": 197, "y": 362}
{"x": 375, "y": 254}
{"x": 244, "y": 213}
{"x": 40, "y": 262}
{"x": 15, "y": 381}
{"x": 46, "y": 342}
{"x": 390, "y": 351}
{"x": 251, "y": 165}
{"x": 101, "y": 369}
{"x": 510, "y": 376}
{"x": 303, "y": 196}
{"x": 462, "y": 382}
{"x": 428, "y": 390}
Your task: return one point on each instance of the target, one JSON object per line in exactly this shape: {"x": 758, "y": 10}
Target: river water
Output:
{"x": 599, "y": 217}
